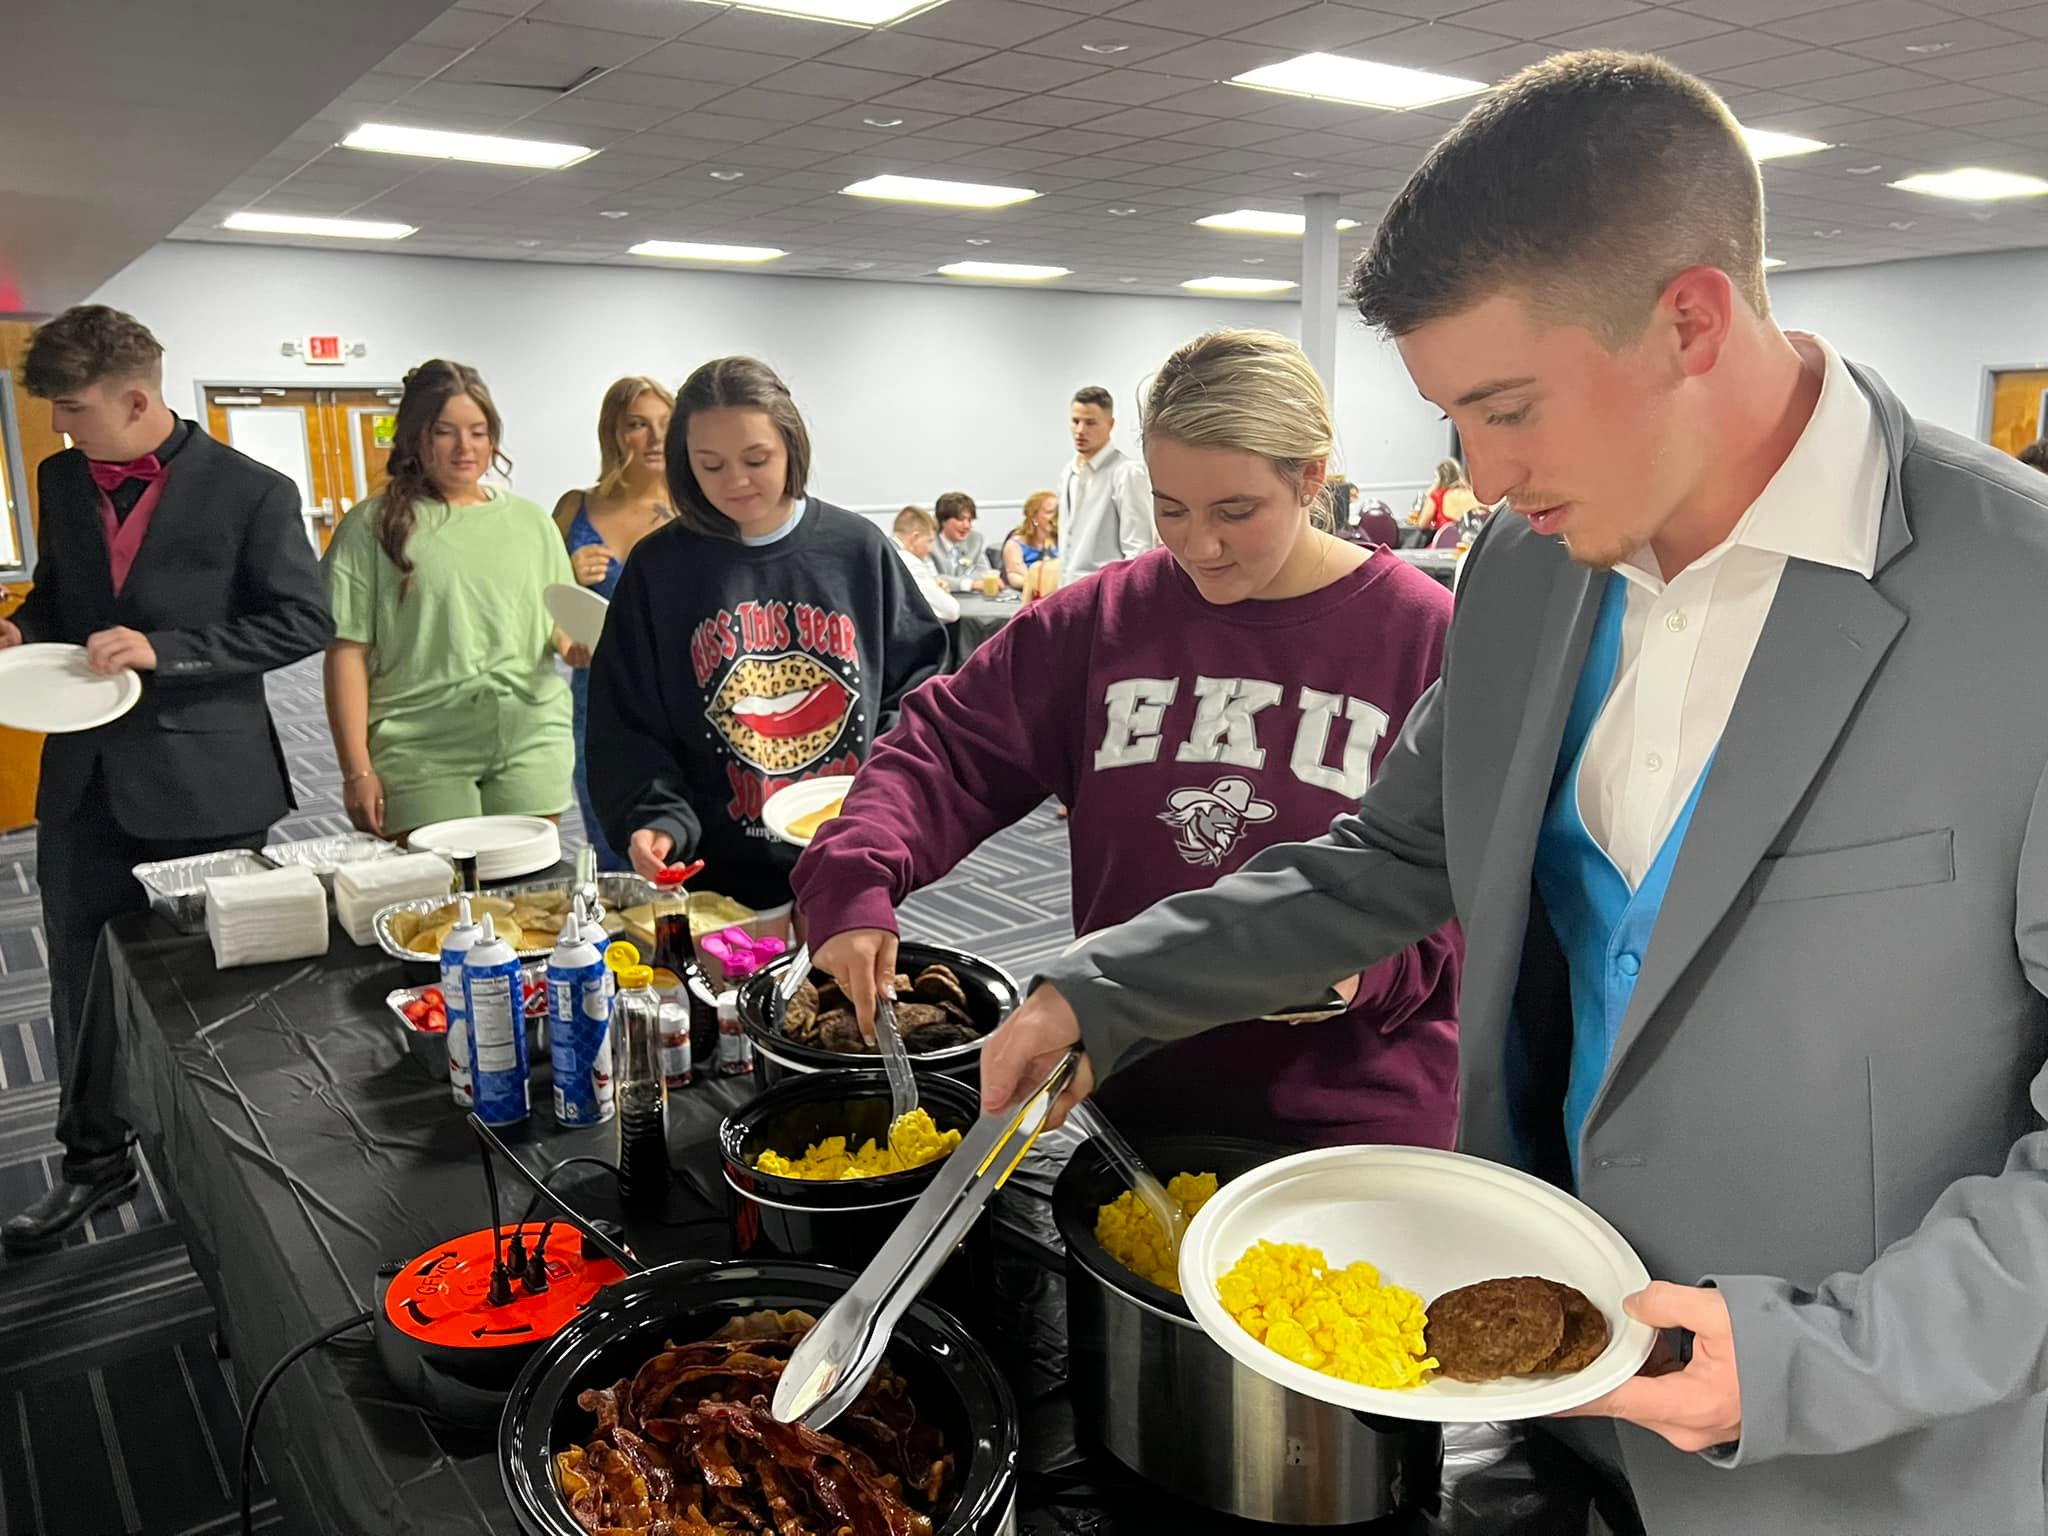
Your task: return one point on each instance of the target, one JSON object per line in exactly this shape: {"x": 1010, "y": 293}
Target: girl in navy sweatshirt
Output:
{"x": 1234, "y": 689}
{"x": 763, "y": 638}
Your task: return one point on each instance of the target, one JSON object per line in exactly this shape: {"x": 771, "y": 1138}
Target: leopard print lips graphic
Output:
{"x": 781, "y": 713}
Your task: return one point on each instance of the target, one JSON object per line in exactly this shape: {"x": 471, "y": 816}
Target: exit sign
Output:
{"x": 323, "y": 349}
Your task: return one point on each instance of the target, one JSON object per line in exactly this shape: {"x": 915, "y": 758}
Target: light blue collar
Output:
{"x": 796, "y": 515}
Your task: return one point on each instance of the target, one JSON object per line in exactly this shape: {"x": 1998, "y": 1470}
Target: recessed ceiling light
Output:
{"x": 613, "y": 213}
{"x": 1255, "y": 221}
{"x": 1304, "y": 175}
{"x": 1862, "y": 170}
{"x": 1773, "y": 261}
{"x": 526, "y": 244}
{"x": 1902, "y": 224}
{"x": 690, "y": 250}
{"x": 1973, "y": 184}
{"x": 727, "y": 175}
{"x": 1941, "y": 47}
{"x": 294, "y": 224}
{"x": 1127, "y": 279}
{"x": 1105, "y": 48}
{"x": 1236, "y": 285}
{"x": 1768, "y": 144}
{"x": 950, "y": 194}
{"x": 883, "y": 122}
{"x": 1121, "y": 213}
{"x": 478, "y": 148}
{"x": 855, "y": 13}
{"x": 1331, "y": 77}
{"x": 979, "y": 240}
{"x": 1002, "y": 271}
{"x": 1253, "y": 261}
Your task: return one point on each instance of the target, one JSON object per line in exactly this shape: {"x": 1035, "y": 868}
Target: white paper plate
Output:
{"x": 49, "y": 688}
{"x": 578, "y": 612}
{"x": 1428, "y": 1221}
{"x": 506, "y": 847}
{"x": 799, "y": 800}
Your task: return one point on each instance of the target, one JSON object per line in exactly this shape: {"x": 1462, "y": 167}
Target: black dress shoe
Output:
{"x": 44, "y": 1224}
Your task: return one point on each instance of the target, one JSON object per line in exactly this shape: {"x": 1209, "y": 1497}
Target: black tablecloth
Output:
{"x": 980, "y": 617}
{"x": 301, "y": 1148}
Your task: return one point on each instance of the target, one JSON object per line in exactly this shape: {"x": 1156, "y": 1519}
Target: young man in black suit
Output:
{"x": 169, "y": 554}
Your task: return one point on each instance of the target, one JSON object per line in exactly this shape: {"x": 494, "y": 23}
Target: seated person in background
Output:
{"x": 2035, "y": 454}
{"x": 915, "y": 533}
{"x": 442, "y": 690}
{"x": 960, "y": 553}
{"x": 1031, "y": 554}
{"x": 1450, "y": 499}
{"x": 1193, "y": 706}
{"x": 763, "y": 637}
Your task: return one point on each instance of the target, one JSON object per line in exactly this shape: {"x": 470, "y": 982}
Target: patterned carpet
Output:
{"x": 117, "y": 1418}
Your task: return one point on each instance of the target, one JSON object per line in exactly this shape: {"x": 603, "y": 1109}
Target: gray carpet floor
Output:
{"x": 117, "y": 1418}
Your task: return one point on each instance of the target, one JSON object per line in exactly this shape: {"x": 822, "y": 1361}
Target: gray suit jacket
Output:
{"x": 1827, "y": 1097}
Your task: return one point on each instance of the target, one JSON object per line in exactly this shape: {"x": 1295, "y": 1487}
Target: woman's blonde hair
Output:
{"x": 1255, "y": 391}
{"x": 1449, "y": 472}
{"x": 611, "y": 458}
{"x": 1022, "y": 532}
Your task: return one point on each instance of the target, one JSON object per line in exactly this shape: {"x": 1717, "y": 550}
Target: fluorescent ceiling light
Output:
{"x": 1973, "y": 184}
{"x": 1773, "y": 261}
{"x": 690, "y": 250}
{"x": 479, "y": 148}
{"x": 294, "y": 224}
{"x": 1769, "y": 144}
{"x": 856, "y": 13}
{"x": 1003, "y": 271}
{"x": 1331, "y": 77}
{"x": 1236, "y": 285}
{"x": 1254, "y": 221}
{"x": 951, "y": 194}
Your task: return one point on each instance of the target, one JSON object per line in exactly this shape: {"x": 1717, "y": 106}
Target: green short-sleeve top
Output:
{"x": 473, "y": 617}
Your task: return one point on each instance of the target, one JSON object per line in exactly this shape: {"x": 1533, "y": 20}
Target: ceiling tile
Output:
{"x": 641, "y": 18}
{"x": 1437, "y": 44}
{"x": 997, "y": 23}
{"x": 1127, "y": 87}
{"x": 770, "y": 106}
{"x": 1863, "y": 19}
{"x": 635, "y": 89}
{"x": 1961, "y": 37}
{"x": 1795, "y": 69}
{"x": 1047, "y": 111}
{"x": 1712, "y": 55}
{"x": 835, "y": 81}
{"x": 1643, "y": 30}
{"x": 989, "y": 130}
{"x": 1148, "y": 122}
{"x": 1027, "y": 72}
{"x": 720, "y": 66}
{"x": 580, "y": 111}
{"x": 1211, "y": 18}
{"x": 1501, "y": 62}
{"x": 1322, "y": 28}
{"x": 1531, "y": 19}
{"x": 1910, "y": 103}
{"x": 1858, "y": 88}
{"x": 417, "y": 61}
{"x": 906, "y": 54}
{"x": 458, "y": 29}
{"x": 1137, "y": 43}
{"x": 903, "y": 121}
{"x": 1218, "y": 59}
{"x": 789, "y": 37}
{"x": 947, "y": 96}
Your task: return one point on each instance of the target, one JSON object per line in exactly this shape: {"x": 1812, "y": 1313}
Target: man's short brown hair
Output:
{"x": 1585, "y": 184}
{"x": 88, "y": 343}
{"x": 954, "y": 504}
{"x": 1099, "y": 397}
{"x": 913, "y": 520}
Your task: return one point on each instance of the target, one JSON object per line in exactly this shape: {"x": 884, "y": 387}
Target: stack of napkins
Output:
{"x": 280, "y": 914}
{"x": 363, "y": 890}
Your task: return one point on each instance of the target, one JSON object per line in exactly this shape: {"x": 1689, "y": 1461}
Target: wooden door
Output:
{"x": 2019, "y": 408}
{"x": 333, "y": 443}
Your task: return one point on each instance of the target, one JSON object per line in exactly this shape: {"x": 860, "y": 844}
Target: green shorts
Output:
{"x": 487, "y": 754}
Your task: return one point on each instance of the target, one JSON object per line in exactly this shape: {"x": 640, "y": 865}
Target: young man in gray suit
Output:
{"x": 1752, "y": 859}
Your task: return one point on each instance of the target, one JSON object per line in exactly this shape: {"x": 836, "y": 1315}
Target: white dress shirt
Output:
{"x": 1686, "y": 643}
{"x": 1105, "y": 512}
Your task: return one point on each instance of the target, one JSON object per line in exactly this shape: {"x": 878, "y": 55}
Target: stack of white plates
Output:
{"x": 363, "y": 890}
{"x": 280, "y": 914}
{"x": 506, "y": 847}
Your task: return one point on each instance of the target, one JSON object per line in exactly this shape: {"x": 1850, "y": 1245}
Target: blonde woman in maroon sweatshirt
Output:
{"x": 1233, "y": 689}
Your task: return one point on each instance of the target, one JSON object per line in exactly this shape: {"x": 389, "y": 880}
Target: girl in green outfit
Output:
{"x": 442, "y": 691}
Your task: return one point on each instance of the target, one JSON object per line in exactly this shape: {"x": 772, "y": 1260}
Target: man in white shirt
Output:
{"x": 914, "y": 530}
{"x": 1737, "y": 779}
{"x": 1105, "y": 494}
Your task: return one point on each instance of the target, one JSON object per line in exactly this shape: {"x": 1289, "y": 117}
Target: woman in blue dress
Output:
{"x": 602, "y": 524}
{"x": 1035, "y": 539}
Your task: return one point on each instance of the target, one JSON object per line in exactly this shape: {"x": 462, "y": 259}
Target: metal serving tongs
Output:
{"x": 896, "y": 1062}
{"x": 1123, "y": 1157}
{"x": 791, "y": 982}
{"x": 830, "y": 1366}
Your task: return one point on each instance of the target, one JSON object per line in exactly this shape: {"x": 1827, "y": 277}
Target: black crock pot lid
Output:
{"x": 1074, "y": 1208}
{"x": 525, "y": 1433}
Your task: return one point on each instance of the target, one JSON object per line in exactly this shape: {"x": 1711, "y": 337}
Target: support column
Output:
{"x": 1319, "y": 287}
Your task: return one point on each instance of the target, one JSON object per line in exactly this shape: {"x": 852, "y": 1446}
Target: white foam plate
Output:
{"x": 1428, "y": 1221}
{"x": 49, "y": 688}
{"x": 506, "y": 847}
{"x": 577, "y": 611}
{"x": 799, "y": 800}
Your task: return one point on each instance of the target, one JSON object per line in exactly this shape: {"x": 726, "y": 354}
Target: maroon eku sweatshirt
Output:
{"x": 1185, "y": 738}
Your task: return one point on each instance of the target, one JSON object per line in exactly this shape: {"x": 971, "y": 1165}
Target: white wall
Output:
{"x": 909, "y": 390}
{"x": 1930, "y": 328}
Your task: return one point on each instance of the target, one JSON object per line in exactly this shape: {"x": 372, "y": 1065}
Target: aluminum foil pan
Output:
{"x": 177, "y": 887}
{"x": 324, "y": 855}
{"x": 616, "y": 891}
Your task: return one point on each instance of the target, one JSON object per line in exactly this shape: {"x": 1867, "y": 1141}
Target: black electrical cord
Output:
{"x": 361, "y": 1319}
{"x": 548, "y": 1178}
{"x": 501, "y": 1278}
